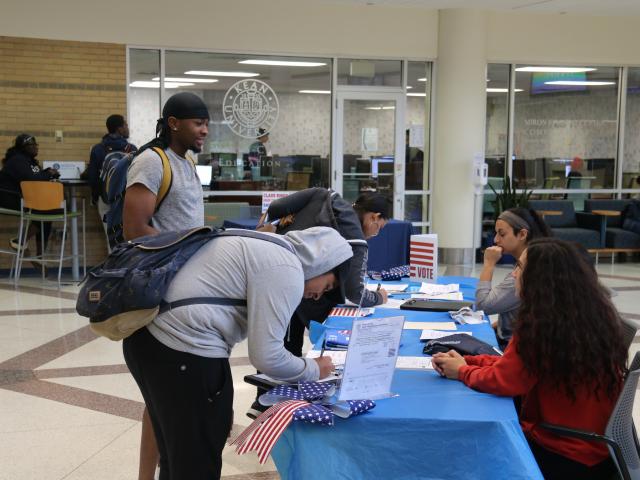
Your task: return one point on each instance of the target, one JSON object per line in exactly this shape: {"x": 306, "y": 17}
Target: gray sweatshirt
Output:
{"x": 501, "y": 299}
{"x": 270, "y": 277}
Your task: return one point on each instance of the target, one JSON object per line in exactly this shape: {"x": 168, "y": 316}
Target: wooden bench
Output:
{"x": 612, "y": 251}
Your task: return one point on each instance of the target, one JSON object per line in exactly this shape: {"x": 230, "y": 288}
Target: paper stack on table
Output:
{"x": 432, "y": 334}
{"x": 392, "y": 303}
{"x": 414, "y": 363}
{"x": 440, "y": 296}
{"x": 437, "y": 289}
{"x": 429, "y": 326}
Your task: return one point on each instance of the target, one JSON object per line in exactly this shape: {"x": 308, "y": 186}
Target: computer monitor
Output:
{"x": 204, "y": 172}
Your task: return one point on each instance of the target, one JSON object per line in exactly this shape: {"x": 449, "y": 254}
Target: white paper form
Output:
{"x": 390, "y": 288}
{"x": 338, "y": 357}
{"x": 392, "y": 303}
{"x": 437, "y": 289}
{"x": 429, "y": 326}
{"x": 371, "y": 358}
{"x": 414, "y": 363}
{"x": 433, "y": 334}
{"x": 441, "y": 296}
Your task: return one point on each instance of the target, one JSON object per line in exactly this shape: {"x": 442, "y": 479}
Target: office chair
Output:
{"x": 620, "y": 433}
{"x": 44, "y": 202}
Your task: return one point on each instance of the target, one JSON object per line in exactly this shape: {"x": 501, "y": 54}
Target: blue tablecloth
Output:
{"x": 435, "y": 429}
{"x": 388, "y": 249}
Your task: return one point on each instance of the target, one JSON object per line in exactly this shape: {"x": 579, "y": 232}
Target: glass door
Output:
{"x": 369, "y": 146}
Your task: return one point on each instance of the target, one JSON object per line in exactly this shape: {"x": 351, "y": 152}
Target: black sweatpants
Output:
{"x": 558, "y": 467}
{"x": 190, "y": 400}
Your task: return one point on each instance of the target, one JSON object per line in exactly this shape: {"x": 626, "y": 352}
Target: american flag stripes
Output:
{"x": 265, "y": 430}
{"x": 423, "y": 258}
{"x": 350, "y": 312}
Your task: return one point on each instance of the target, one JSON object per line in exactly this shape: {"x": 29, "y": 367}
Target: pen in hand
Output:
{"x": 379, "y": 287}
{"x": 324, "y": 342}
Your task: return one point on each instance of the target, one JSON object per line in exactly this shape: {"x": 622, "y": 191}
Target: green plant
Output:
{"x": 509, "y": 197}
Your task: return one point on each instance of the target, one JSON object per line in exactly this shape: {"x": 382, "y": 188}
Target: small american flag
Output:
{"x": 394, "y": 273}
{"x": 265, "y": 430}
{"x": 350, "y": 312}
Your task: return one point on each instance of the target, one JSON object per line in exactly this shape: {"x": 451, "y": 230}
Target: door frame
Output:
{"x": 381, "y": 94}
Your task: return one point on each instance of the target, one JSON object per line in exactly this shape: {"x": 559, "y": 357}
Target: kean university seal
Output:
{"x": 249, "y": 105}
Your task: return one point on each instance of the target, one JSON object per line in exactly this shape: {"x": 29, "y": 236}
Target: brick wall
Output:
{"x": 49, "y": 85}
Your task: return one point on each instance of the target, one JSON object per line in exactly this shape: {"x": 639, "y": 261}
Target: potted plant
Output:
{"x": 509, "y": 197}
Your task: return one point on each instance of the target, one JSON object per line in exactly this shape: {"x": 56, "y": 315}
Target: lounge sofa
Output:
{"x": 615, "y": 235}
{"x": 584, "y": 228}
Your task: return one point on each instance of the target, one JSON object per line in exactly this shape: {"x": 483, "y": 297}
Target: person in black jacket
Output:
{"x": 356, "y": 223}
{"x": 18, "y": 165}
{"x": 114, "y": 141}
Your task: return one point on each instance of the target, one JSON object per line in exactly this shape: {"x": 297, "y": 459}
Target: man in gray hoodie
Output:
{"x": 180, "y": 361}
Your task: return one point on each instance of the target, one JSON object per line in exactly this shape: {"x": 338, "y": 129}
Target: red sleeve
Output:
{"x": 504, "y": 376}
{"x": 481, "y": 360}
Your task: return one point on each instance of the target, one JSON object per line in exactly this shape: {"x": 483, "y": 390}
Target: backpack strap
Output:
{"x": 233, "y": 302}
{"x": 167, "y": 177}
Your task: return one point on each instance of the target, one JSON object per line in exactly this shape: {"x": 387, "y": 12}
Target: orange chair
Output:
{"x": 44, "y": 202}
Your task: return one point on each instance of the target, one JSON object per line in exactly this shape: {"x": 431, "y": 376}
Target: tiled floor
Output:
{"x": 70, "y": 410}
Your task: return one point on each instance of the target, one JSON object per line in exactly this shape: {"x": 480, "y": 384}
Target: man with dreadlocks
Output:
{"x": 184, "y": 126}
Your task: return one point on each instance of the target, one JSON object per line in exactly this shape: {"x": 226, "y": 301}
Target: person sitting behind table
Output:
{"x": 567, "y": 359}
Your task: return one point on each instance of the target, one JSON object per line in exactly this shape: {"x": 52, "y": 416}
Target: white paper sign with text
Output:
{"x": 371, "y": 358}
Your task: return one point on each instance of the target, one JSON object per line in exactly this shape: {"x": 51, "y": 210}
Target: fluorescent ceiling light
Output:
{"x": 221, "y": 74}
{"x": 424, "y": 79}
{"x": 380, "y": 108}
{"x": 189, "y": 80}
{"x": 409, "y": 86}
{"x": 501, "y": 90}
{"x": 146, "y": 84}
{"x": 416, "y": 94}
{"x": 282, "y": 63}
{"x": 321, "y": 92}
{"x": 578, "y": 83}
{"x": 555, "y": 69}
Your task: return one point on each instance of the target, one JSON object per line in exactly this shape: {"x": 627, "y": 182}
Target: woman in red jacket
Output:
{"x": 566, "y": 359}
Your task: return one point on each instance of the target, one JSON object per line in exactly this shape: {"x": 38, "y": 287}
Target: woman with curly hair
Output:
{"x": 515, "y": 228}
{"x": 567, "y": 359}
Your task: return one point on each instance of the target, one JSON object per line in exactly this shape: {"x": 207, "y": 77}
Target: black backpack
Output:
{"x": 126, "y": 291}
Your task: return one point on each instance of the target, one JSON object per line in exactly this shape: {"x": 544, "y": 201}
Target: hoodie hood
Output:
{"x": 319, "y": 249}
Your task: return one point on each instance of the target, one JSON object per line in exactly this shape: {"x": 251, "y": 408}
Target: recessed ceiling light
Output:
{"x": 321, "y": 92}
{"x": 409, "y": 86}
{"x": 221, "y": 74}
{"x": 556, "y": 69}
{"x": 502, "y": 90}
{"x": 147, "y": 84}
{"x": 416, "y": 94}
{"x": 424, "y": 79}
{"x": 282, "y": 63}
{"x": 189, "y": 80}
{"x": 578, "y": 83}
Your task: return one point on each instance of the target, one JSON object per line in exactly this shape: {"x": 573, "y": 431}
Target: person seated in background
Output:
{"x": 577, "y": 164}
{"x": 356, "y": 223}
{"x": 567, "y": 359}
{"x": 19, "y": 165}
{"x": 515, "y": 228}
{"x": 181, "y": 359}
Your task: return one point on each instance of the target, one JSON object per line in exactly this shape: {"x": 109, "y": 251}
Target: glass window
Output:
{"x": 417, "y": 123}
{"x": 631, "y": 161}
{"x": 497, "y": 119}
{"x": 565, "y": 131}
{"x": 144, "y": 95}
{"x": 270, "y": 126}
{"x": 386, "y": 73}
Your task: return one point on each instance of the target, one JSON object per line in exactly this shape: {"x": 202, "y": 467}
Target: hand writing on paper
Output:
{"x": 384, "y": 294}
{"x": 492, "y": 255}
{"x": 326, "y": 366}
{"x": 448, "y": 364}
